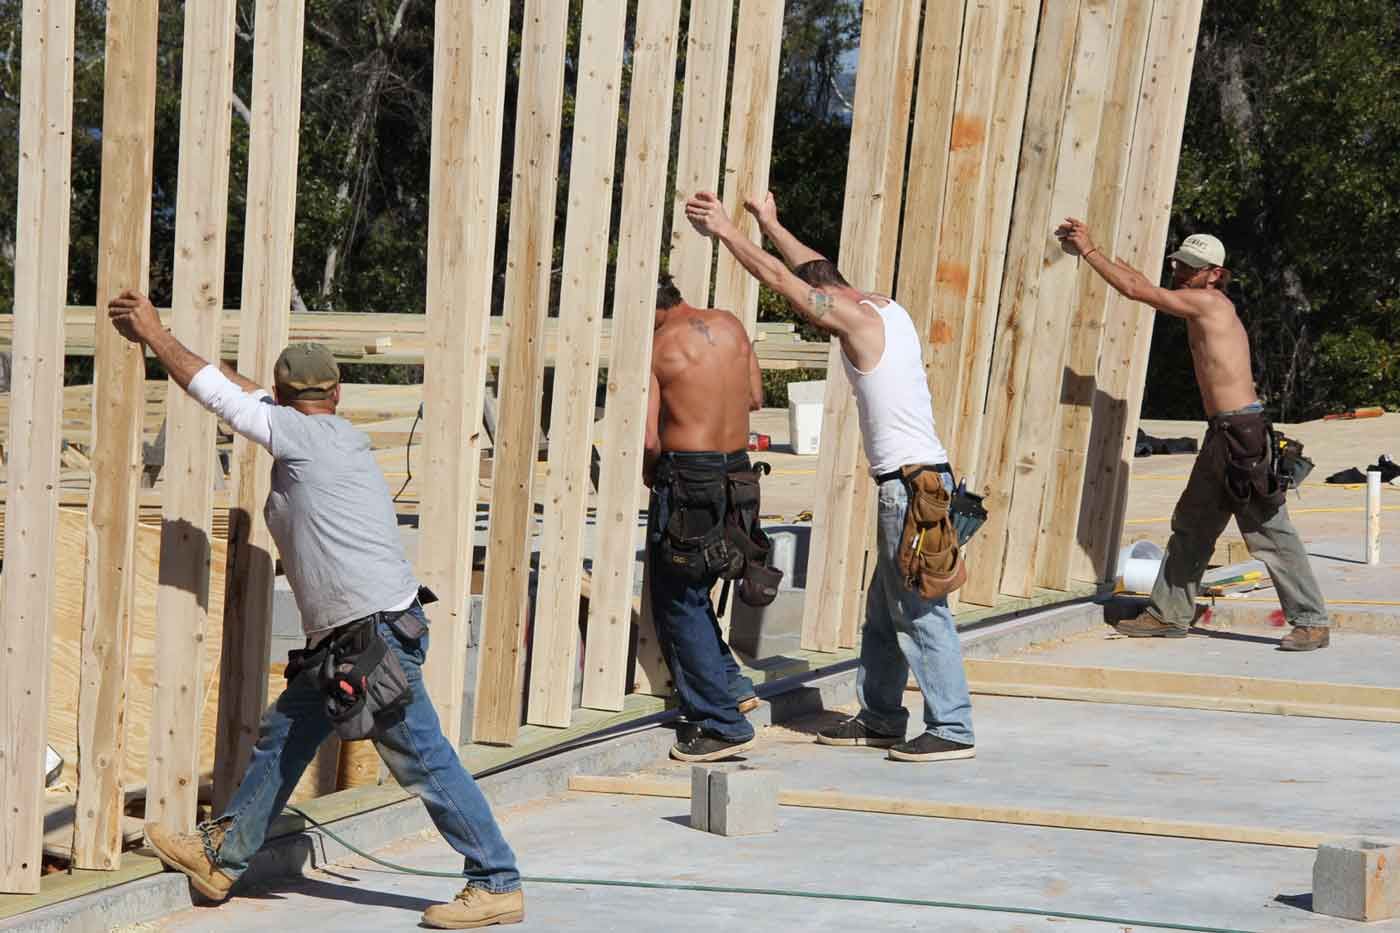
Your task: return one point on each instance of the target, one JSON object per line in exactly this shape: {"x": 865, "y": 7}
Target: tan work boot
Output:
{"x": 748, "y": 705}
{"x": 476, "y": 907}
{"x": 1306, "y": 638}
{"x": 1149, "y": 626}
{"x": 185, "y": 852}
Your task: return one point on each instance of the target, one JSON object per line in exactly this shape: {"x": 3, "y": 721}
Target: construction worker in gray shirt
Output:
{"x": 334, "y": 525}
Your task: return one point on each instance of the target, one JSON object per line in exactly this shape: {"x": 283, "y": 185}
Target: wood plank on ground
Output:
{"x": 469, "y": 69}
{"x": 1141, "y": 242}
{"x": 128, "y": 144}
{"x": 999, "y": 187}
{"x": 1060, "y": 513}
{"x": 269, "y": 232}
{"x": 1184, "y": 690}
{"x": 629, "y": 374}
{"x": 554, "y": 652}
{"x": 1073, "y": 188}
{"x": 186, "y": 546}
{"x": 701, "y": 135}
{"x": 870, "y": 179}
{"x": 31, "y": 508}
{"x": 540, "y": 102}
{"x": 958, "y": 229}
{"x": 753, "y": 102}
{"x": 1021, "y": 816}
{"x": 998, "y": 454}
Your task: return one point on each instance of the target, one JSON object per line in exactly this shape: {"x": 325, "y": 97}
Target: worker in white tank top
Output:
{"x": 882, "y": 355}
{"x": 892, "y": 398}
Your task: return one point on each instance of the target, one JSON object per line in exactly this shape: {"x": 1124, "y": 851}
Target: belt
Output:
{"x": 899, "y": 474}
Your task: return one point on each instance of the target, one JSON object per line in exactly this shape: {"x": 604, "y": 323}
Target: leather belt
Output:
{"x": 899, "y": 474}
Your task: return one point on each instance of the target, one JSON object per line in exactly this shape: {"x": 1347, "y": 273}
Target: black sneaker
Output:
{"x": 929, "y": 747}
{"x": 855, "y": 732}
{"x": 706, "y": 747}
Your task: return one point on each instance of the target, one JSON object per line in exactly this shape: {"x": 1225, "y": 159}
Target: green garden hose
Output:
{"x": 779, "y": 892}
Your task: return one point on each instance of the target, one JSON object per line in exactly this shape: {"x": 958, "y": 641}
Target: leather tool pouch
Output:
{"x": 1247, "y": 454}
{"x": 758, "y": 580}
{"x": 358, "y": 673}
{"x": 694, "y": 544}
{"x": 1291, "y": 468}
{"x": 929, "y": 561}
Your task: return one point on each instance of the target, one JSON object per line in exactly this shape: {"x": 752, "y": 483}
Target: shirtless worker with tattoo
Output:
{"x": 1231, "y": 473}
{"x": 881, "y": 352}
{"x": 704, "y": 382}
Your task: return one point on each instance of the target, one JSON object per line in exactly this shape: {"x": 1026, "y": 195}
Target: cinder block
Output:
{"x": 700, "y": 797}
{"x": 743, "y": 802}
{"x": 1358, "y": 879}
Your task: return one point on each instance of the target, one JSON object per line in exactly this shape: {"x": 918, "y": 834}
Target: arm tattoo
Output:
{"x": 820, "y": 303}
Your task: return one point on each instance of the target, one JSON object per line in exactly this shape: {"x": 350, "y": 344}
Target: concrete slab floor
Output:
{"x": 1351, "y": 658}
{"x": 1133, "y": 761}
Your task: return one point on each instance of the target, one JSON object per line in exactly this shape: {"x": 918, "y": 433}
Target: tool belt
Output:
{"x": 929, "y": 560}
{"x": 1290, "y": 466}
{"x": 1244, "y": 447}
{"x": 713, "y": 532}
{"x": 358, "y": 673}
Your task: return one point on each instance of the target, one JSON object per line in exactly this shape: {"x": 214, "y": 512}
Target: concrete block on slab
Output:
{"x": 742, "y": 801}
{"x": 700, "y": 798}
{"x": 1357, "y": 879}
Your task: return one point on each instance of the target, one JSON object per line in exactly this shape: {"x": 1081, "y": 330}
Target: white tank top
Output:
{"x": 893, "y": 401}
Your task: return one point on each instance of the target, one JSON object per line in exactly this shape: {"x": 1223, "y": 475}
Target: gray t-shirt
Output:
{"x": 333, "y": 520}
{"x": 329, "y": 510}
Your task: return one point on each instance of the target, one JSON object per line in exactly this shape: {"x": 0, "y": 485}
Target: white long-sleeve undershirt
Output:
{"x": 248, "y": 413}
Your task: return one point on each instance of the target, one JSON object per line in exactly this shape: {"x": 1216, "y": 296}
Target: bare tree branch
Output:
{"x": 241, "y": 109}
{"x": 845, "y": 101}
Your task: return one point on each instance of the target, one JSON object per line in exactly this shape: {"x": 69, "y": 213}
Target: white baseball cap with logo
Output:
{"x": 1200, "y": 250}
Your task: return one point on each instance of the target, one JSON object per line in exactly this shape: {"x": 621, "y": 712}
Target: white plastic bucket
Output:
{"x": 1139, "y": 574}
{"x": 805, "y": 415}
{"x": 1138, "y": 564}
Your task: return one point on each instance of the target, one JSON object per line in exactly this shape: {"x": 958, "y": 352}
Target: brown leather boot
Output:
{"x": 476, "y": 907}
{"x": 186, "y": 852}
{"x": 1306, "y": 638}
{"x": 1149, "y": 626}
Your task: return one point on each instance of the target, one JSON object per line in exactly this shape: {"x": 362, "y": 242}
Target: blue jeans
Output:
{"x": 411, "y": 743}
{"x": 904, "y": 632}
{"x": 703, "y": 668}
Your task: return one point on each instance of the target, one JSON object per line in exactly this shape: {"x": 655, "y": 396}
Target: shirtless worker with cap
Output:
{"x": 704, "y": 382}
{"x": 1231, "y": 475}
{"x": 333, "y": 521}
{"x": 880, "y": 350}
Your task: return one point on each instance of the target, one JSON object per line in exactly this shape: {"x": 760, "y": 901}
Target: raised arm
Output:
{"x": 793, "y": 250}
{"x": 1129, "y": 282}
{"x": 135, "y": 318}
{"x": 835, "y": 314}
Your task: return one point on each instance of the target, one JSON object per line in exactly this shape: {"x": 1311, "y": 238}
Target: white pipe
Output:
{"x": 1373, "y": 517}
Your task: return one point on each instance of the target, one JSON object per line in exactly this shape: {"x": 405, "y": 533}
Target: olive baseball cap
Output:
{"x": 306, "y": 372}
{"x": 1200, "y": 250}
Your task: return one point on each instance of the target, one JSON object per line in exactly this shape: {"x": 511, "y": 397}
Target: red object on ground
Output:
{"x": 1276, "y": 618}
